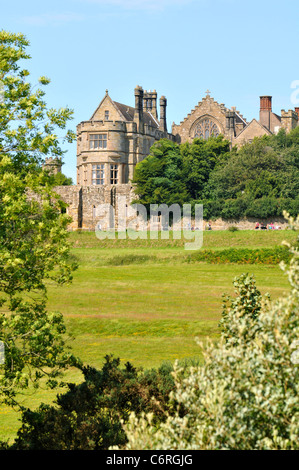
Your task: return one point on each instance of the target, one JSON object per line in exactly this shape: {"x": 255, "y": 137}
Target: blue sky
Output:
{"x": 239, "y": 50}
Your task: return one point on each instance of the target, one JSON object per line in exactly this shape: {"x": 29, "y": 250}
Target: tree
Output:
{"x": 264, "y": 168}
{"x": 33, "y": 232}
{"x": 199, "y": 160}
{"x": 177, "y": 174}
{"x": 62, "y": 180}
{"x": 158, "y": 178}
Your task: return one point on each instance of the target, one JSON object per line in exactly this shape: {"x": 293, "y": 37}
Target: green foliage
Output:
{"x": 27, "y": 128}
{"x": 242, "y": 256}
{"x": 33, "y": 237}
{"x": 157, "y": 178}
{"x": 245, "y": 307}
{"x": 199, "y": 159}
{"x": 34, "y": 348}
{"x": 59, "y": 179}
{"x": 235, "y": 209}
{"x": 130, "y": 259}
{"x": 174, "y": 174}
{"x": 245, "y": 395}
{"x": 261, "y": 179}
{"x": 88, "y": 416}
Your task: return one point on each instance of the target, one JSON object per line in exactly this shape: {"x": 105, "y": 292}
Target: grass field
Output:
{"x": 141, "y": 301}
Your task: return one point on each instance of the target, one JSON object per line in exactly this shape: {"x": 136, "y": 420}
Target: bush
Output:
{"x": 241, "y": 207}
{"x": 242, "y": 256}
{"x": 88, "y": 416}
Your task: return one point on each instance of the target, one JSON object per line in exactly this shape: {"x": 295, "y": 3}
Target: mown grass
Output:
{"x": 211, "y": 240}
{"x": 141, "y": 301}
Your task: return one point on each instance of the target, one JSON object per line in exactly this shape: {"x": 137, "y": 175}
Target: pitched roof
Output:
{"x": 251, "y": 123}
{"x": 128, "y": 114}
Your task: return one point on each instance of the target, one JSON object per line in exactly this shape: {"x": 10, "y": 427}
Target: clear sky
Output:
{"x": 237, "y": 49}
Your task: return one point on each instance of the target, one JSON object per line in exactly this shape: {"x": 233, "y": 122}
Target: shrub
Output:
{"x": 88, "y": 416}
{"x": 242, "y": 256}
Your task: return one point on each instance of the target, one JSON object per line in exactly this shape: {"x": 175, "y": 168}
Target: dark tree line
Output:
{"x": 261, "y": 179}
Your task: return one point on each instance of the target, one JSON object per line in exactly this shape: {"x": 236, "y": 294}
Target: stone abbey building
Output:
{"x": 118, "y": 136}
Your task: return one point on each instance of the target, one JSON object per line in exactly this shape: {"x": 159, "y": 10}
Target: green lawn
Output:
{"x": 142, "y": 302}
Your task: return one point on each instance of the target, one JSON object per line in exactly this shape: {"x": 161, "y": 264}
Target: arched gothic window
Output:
{"x": 206, "y": 128}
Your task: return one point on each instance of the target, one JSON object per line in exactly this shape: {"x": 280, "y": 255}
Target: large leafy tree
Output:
{"x": 199, "y": 159}
{"x": 178, "y": 174}
{"x": 268, "y": 166}
{"x": 34, "y": 248}
{"x": 158, "y": 178}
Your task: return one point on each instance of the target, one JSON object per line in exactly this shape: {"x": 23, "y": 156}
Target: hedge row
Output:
{"x": 236, "y": 209}
{"x": 242, "y": 256}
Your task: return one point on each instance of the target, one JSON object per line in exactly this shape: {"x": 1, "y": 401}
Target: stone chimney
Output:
{"x": 153, "y": 96}
{"x": 150, "y": 103}
{"x": 163, "y": 104}
{"x": 145, "y": 101}
{"x": 297, "y": 111}
{"x": 265, "y": 111}
{"x": 138, "y": 114}
{"x": 230, "y": 122}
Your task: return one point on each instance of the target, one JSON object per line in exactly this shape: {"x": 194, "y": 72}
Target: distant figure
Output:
{"x": 257, "y": 226}
{"x": 263, "y": 227}
{"x": 209, "y": 226}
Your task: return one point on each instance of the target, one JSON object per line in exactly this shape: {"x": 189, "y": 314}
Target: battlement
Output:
{"x": 53, "y": 165}
{"x": 291, "y": 113}
{"x": 92, "y": 125}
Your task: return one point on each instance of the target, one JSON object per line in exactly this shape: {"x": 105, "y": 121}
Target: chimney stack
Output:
{"x": 138, "y": 114}
{"x": 297, "y": 111}
{"x": 265, "y": 111}
{"x": 163, "y": 104}
{"x": 266, "y": 103}
{"x": 145, "y": 101}
{"x": 154, "y": 104}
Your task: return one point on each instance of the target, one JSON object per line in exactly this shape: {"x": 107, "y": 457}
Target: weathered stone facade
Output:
{"x": 117, "y": 137}
{"x": 211, "y": 118}
{"x": 84, "y": 203}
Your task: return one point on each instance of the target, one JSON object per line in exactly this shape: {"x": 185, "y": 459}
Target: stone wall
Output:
{"x": 90, "y": 205}
{"x": 245, "y": 224}
{"x": 86, "y": 202}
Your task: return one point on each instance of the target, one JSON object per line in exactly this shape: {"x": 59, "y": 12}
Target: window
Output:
{"x": 98, "y": 141}
{"x": 98, "y": 174}
{"x": 106, "y": 115}
{"x": 113, "y": 174}
{"x": 206, "y": 128}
